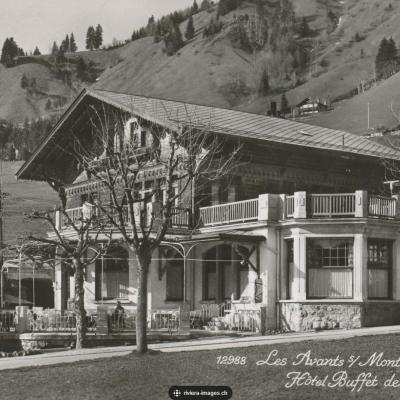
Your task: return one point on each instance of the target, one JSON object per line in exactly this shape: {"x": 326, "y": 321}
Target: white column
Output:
{"x": 90, "y": 285}
{"x": 299, "y": 273}
{"x": 360, "y": 270}
{"x": 268, "y": 274}
{"x": 300, "y": 205}
{"x": 361, "y": 209}
{"x": 58, "y": 295}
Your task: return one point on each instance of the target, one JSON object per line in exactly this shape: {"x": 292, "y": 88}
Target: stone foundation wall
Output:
{"x": 304, "y": 317}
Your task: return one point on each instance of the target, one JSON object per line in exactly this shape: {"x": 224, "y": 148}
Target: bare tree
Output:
{"x": 122, "y": 151}
{"x": 74, "y": 251}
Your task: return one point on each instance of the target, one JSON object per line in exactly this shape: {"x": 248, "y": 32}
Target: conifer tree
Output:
{"x": 284, "y": 104}
{"x": 54, "y": 50}
{"x": 264, "y": 83}
{"x": 195, "y": 7}
{"x": 36, "y": 52}
{"x": 98, "y": 37}
{"x": 173, "y": 39}
{"x": 189, "y": 29}
{"x": 9, "y": 52}
{"x": 65, "y": 45}
{"x": 90, "y": 38}
{"x": 72, "y": 43}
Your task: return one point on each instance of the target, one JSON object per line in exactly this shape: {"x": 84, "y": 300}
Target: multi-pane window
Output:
{"x": 330, "y": 268}
{"x": 379, "y": 268}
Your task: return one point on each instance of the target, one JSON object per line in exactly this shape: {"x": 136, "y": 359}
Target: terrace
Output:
{"x": 267, "y": 207}
{"x": 301, "y": 205}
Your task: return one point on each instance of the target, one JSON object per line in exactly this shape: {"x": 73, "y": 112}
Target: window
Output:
{"x": 210, "y": 281}
{"x": 219, "y": 274}
{"x": 330, "y": 268}
{"x": 112, "y": 276}
{"x": 379, "y": 269}
{"x": 175, "y": 280}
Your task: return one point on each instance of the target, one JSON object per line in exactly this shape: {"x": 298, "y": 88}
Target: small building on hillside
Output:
{"x": 311, "y": 106}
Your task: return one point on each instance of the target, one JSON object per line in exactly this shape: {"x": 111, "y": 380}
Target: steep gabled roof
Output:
{"x": 174, "y": 114}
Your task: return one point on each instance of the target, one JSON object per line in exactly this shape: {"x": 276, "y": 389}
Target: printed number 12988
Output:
{"x": 231, "y": 360}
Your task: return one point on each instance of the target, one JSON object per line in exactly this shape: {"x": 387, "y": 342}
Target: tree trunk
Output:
{"x": 80, "y": 312}
{"x": 141, "y": 316}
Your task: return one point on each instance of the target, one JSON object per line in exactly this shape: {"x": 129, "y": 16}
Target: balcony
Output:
{"x": 301, "y": 205}
{"x": 180, "y": 216}
{"x": 267, "y": 207}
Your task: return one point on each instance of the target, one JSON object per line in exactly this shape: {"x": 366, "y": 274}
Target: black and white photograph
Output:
{"x": 199, "y": 199}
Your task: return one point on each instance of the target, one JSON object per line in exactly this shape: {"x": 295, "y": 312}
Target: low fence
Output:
{"x": 157, "y": 320}
{"x": 239, "y": 317}
{"x": 200, "y": 317}
{"x": 58, "y": 321}
{"x": 246, "y": 320}
{"x": 225, "y": 316}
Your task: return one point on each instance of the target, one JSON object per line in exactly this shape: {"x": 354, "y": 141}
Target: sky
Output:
{"x": 40, "y": 22}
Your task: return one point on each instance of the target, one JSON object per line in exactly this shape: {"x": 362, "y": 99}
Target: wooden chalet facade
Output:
{"x": 299, "y": 229}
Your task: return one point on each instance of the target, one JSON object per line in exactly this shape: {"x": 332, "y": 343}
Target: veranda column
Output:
{"x": 268, "y": 274}
{"x": 59, "y": 286}
{"x": 360, "y": 269}
{"x": 299, "y": 272}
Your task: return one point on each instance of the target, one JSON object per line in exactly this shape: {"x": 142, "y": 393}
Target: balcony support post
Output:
{"x": 268, "y": 207}
{"x": 300, "y": 205}
{"x": 361, "y": 206}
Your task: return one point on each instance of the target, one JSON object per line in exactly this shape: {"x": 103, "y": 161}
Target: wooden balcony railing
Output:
{"x": 267, "y": 207}
{"x": 379, "y": 206}
{"x": 240, "y": 211}
{"x": 180, "y": 216}
{"x": 331, "y": 205}
{"x": 289, "y": 206}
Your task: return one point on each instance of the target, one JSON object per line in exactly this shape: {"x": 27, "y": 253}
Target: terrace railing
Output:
{"x": 239, "y": 211}
{"x": 289, "y": 206}
{"x": 180, "y": 216}
{"x": 158, "y": 320}
{"x": 246, "y": 320}
{"x": 331, "y": 205}
{"x": 201, "y": 316}
{"x": 58, "y": 321}
{"x": 379, "y": 206}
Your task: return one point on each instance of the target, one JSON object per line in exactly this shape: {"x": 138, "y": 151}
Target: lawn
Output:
{"x": 150, "y": 376}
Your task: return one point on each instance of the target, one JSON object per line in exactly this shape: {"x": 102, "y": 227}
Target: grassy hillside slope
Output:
{"x": 23, "y": 197}
{"x": 215, "y": 71}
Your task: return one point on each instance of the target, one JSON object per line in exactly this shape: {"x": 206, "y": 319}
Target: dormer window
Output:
{"x": 135, "y": 136}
